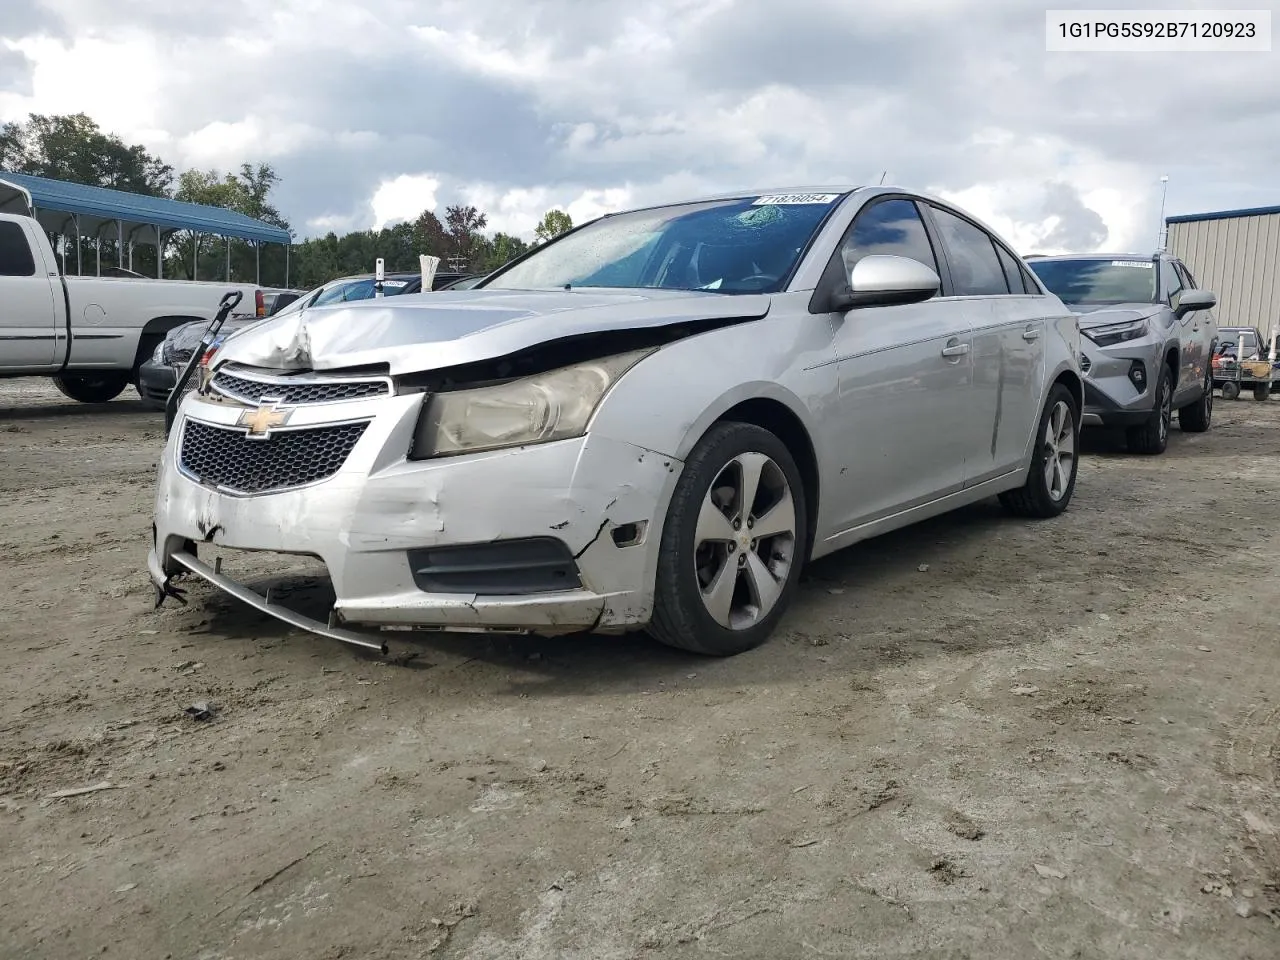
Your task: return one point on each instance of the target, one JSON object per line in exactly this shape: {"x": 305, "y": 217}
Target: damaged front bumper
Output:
{"x": 549, "y": 538}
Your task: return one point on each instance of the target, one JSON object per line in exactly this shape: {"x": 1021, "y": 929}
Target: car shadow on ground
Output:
{"x": 72, "y": 409}
{"x": 592, "y": 664}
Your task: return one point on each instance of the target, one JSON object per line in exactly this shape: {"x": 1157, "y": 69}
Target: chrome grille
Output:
{"x": 303, "y": 391}
{"x": 227, "y": 458}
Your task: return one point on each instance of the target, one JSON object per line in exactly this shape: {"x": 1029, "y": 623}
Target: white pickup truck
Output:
{"x": 90, "y": 334}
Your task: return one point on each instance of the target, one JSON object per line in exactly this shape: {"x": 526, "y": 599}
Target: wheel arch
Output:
{"x": 153, "y": 332}
{"x": 771, "y": 414}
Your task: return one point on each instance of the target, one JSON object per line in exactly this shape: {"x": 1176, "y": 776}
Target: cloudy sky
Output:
{"x": 373, "y": 112}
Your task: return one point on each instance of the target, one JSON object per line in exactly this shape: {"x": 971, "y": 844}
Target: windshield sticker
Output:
{"x": 796, "y": 198}
{"x": 1140, "y": 264}
{"x": 395, "y": 283}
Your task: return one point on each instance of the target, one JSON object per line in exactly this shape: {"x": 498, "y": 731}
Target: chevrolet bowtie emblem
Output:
{"x": 260, "y": 421}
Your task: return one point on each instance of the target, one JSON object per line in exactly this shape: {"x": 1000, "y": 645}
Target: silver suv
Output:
{"x": 1149, "y": 338}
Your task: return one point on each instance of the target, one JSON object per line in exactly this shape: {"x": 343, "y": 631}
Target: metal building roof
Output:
{"x": 97, "y": 206}
{"x": 1223, "y": 215}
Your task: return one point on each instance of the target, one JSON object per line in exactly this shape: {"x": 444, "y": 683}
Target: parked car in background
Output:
{"x": 90, "y": 334}
{"x": 159, "y": 373}
{"x": 652, "y": 421}
{"x": 277, "y": 298}
{"x": 1149, "y": 339}
{"x": 1226, "y": 361}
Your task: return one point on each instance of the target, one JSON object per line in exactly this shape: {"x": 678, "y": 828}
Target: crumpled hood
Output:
{"x": 419, "y": 333}
{"x": 1091, "y": 316}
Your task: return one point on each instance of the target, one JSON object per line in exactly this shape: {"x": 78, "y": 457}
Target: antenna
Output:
{"x": 882, "y": 176}
{"x": 1162, "y": 234}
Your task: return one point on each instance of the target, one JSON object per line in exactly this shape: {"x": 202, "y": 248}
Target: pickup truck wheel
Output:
{"x": 733, "y": 543}
{"x": 92, "y": 388}
{"x": 1196, "y": 417}
{"x": 1052, "y": 478}
{"x": 1152, "y": 437}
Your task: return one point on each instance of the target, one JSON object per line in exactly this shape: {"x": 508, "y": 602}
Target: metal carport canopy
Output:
{"x": 94, "y": 207}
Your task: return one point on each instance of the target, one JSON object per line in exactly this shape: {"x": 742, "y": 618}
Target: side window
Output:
{"x": 1011, "y": 271}
{"x": 889, "y": 228}
{"x": 1175, "y": 283}
{"x": 1029, "y": 284}
{"x": 16, "y": 259}
{"x": 971, "y": 254}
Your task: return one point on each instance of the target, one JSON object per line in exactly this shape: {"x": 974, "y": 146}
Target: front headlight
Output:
{"x": 1113, "y": 333}
{"x": 547, "y": 406}
{"x": 159, "y": 355}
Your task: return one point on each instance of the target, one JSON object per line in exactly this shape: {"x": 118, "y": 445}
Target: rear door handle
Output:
{"x": 1031, "y": 333}
{"x": 955, "y": 350}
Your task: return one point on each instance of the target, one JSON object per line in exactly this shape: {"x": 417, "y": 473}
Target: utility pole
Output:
{"x": 1162, "y": 234}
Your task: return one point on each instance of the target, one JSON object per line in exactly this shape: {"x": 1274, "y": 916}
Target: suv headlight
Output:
{"x": 159, "y": 356}
{"x": 547, "y": 406}
{"x": 1113, "y": 333}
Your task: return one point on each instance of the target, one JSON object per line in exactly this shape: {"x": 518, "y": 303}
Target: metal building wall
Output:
{"x": 1238, "y": 258}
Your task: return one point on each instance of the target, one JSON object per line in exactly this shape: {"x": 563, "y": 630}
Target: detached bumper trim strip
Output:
{"x": 245, "y": 595}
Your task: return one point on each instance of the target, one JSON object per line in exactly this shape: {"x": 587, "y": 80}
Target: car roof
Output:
{"x": 1096, "y": 256}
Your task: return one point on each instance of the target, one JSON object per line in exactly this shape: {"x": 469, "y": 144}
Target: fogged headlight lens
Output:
{"x": 547, "y": 406}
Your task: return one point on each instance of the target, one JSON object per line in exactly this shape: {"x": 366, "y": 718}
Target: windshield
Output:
{"x": 748, "y": 245}
{"x": 1098, "y": 280}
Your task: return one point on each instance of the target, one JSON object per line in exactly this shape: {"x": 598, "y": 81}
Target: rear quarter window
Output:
{"x": 16, "y": 259}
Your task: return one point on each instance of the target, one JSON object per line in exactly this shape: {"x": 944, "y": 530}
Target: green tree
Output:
{"x": 501, "y": 249}
{"x": 554, "y": 223}
{"x": 74, "y": 148}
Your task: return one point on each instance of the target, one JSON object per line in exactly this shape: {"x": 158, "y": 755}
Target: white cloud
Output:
{"x": 404, "y": 198}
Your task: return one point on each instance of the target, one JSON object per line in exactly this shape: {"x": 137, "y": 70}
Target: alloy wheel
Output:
{"x": 745, "y": 541}
{"x": 1059, "y": 450}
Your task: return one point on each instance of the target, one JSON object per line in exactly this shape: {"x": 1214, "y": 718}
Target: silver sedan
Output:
{"x": 650, "y": 422}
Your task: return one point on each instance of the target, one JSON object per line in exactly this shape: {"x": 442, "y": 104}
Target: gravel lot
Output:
{"x": 980, "y": 737}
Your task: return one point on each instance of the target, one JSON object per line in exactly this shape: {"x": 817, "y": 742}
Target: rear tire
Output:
{"x": 734, "y": 541}
{"x": 92, "y": 387}
{"x": 1051, "y": 481}
{"x": 1230, "y": 391}
{"x": 1151, "y": 438}
{"x": 1197, "y": 417}
{"x": 1262, "y": 391}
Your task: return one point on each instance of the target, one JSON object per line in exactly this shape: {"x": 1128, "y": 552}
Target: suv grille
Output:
{"x": 226, "y": 457}
{"x": 304, "y": 391}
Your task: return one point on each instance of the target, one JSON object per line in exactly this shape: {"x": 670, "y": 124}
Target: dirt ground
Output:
{"x": 978, "y": 738}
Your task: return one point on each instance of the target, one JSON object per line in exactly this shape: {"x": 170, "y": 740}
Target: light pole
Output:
{"x": 1162, "y": 234}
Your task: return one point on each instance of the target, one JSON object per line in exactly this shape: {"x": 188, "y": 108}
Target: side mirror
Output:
{"x": 1194, "y": 300}
{"x": 882, "y": 281}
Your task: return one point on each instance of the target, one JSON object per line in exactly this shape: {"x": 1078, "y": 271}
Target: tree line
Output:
{"x": 74, "y": 148}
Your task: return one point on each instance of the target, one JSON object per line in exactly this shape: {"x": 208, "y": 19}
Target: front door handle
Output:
{"x": 955, "y": 349}
{"x": 1031, "y": 333}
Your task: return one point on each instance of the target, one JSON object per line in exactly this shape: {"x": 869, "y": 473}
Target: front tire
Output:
{"x": 1230, "y": 391}
{"x": 733, "y": 543}
{"x": 1197, "y": 417}
{"x": 1262, "y": 391}
{"x": 1151, "y": 438}
{"x": 93, "y": 387}
{"x": 1051, "y": 481}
